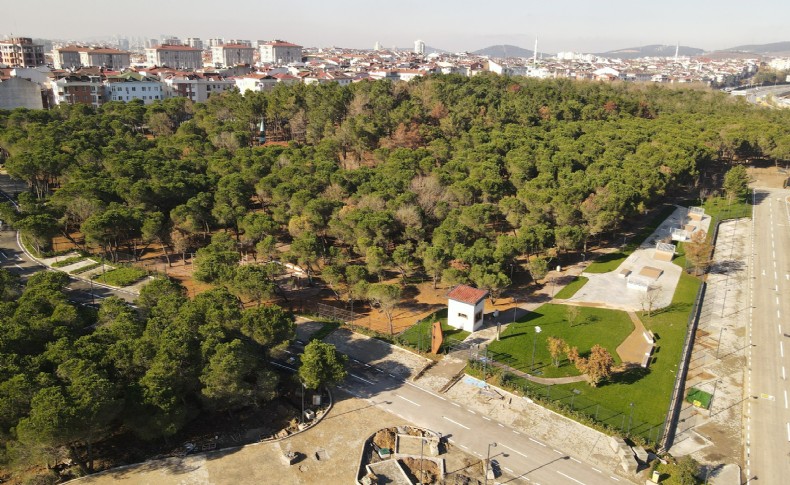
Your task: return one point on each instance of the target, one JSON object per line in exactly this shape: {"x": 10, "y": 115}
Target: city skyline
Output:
{"x": 570, "y": 26}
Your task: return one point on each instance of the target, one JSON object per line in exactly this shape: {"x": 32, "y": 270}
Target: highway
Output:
{"x": 768, "y": 425}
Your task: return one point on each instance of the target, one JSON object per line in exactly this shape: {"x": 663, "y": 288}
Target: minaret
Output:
{"x": 677, "y": 49}
{"x": 535, "y": 53}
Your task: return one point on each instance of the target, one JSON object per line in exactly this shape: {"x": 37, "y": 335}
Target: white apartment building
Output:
{"x": 280, "y": 52}
{"x": 229, "y": 55}
{"x": 131, "y": 85}
{"x": 21, "y": 52}
{"x": 175, "y": 56}
{"x": 197, "y": 87}
{"x": 74, "y": 57}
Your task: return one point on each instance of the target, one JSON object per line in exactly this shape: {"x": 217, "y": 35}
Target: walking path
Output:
{"x": 634, "y": 347}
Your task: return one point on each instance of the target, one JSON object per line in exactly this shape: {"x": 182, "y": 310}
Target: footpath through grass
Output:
{"x": 592, "y": 326}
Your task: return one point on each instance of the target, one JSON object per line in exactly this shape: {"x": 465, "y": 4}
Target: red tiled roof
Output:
{"x": 278, "y": 43}
{"x": 467, "y": 294}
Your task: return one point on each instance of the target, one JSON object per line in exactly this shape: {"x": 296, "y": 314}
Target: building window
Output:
{"x": 463, "y": 315}
{"x": 478, "y": 316}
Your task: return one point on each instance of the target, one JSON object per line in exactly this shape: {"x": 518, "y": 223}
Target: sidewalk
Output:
{"x": 718, "y": 360}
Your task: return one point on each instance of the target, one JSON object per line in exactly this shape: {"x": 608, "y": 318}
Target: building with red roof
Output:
{"x": 465, "y": 307}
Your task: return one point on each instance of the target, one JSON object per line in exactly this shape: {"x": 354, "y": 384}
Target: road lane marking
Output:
{"x": 514, "y": 431}
{"x": 788, "y": 431}
{"x": 613, "y": 478}
{"x": 785, "y": 399}
{"x": 409, "y": 400}
{"x": 783, "y": 373}
{"x": 780, "y": 327}
{"x": 778, "y": 314}
{"x": 777, "y": 300}
{"x": 18, "y": 266}
{"x": 514, "y": 450}
{"x": 507, "y": 469}
{"x": 500, "y": 425}
{"x": 557, "y": 451}
{"x": 391, "y": 375}
{"x": 455, "y": 422}
{"x": 597, "y": 470}
{"x": 487, "y": 419}
{"x": 478, "y": 454}
{"x": 360, "y": 378}
{"x": 538, "y": 442}
{"x": 471, "y": 411}
{"x": 456, "y": 405}
{"x": 464, "y": 447}
{"x": 3, "y": 254}
{"x": 781, "y": 349}
{"x": 574, "y": 459}
{"x": 569, "y": 477}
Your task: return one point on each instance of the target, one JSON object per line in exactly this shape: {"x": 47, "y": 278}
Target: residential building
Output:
{"x": 75, "y": 57}
{"x": 175, "y": 56}
{"x": 257, "y": 82}
{"x": 323, "y": 77}
{"x": 215, "y": 42}
{"x": 21, "y": 52}
{"x": 194, "y": 42}
{"x": 131, "y": 85}
{"x": 78, "y": 89}
{"x": 280, "y": 52}
{"x": 197, "y": 87}
{"x": 17, "y": 92}
{"x": 465, "y": 306}
{"x": 227, "y": 55}
{"x": 419, "y": 47}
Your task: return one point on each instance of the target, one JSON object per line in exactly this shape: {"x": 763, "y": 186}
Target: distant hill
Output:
{"x": 504, "y": 50}
{"x": 775, "y": 48}
{"x": 654, "y": 50}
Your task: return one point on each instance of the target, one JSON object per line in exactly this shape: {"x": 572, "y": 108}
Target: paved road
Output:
{"x": 522, "y": 458}
{"x": 755, "y": 94}
{"x": 14, "y": 259}
{"x": 768, "y": 429}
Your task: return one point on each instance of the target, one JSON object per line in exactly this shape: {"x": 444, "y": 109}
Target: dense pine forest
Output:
{"x": 457, "y": 179}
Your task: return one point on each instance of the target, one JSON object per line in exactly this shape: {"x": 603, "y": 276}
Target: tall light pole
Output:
{"x": 630, "y": 417}
{"x": 301, "y": 419}
{"x": 422, "y": 445}
{"x": 488, "y": 460}
{"x": 534, "y": 343}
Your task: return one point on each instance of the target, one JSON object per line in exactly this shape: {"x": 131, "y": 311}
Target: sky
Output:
{"x": 452, "y": 25}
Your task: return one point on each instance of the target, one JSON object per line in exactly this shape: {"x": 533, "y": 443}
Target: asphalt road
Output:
{"x": 522, "y": 458}
{"x": 768, "y": 430}
{"x": 14, "y": 259}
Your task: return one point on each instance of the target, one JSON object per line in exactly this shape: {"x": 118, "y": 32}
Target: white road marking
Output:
{"x": 507, "y": 469}
{"x": 471, "y": 411}
{"x": 515, "y": 451}
{"x": 478, "y": 454}
{"x": 569, "y": 477}
{"x": 3, "y": 254}
{"x": 597, "y": 470}
{"x": 514, "y": 431}
{"x": 360, "y": 378}
{"x": 778, "y": 314}
{"x": 613, "y": 478}
{"x": 788, "y": 431}
{"x": 18, "y": 266}
{"x": 785, "y": 399}
{"x": 574, "y": 459}
{"x": 557, "y": 451}
{"x": 500, "y": 425}
{"x": 391, "y": 375}
{"x": 409, "y": 400}
{"x": 787, "y": 276}
{"x": 763, "y": 272}
{"x": 777, "y": 300}
{"x": 455, "y": 422}
{"x": 780, "y": 327}
{"x": 377, "y": 369}
{"x": 781, "y": 349}
{"x": 487, "y": 419}
{"x": 456, "y": 405}
{"x": 464, "y": 447}
{"x": 538, "y": 442}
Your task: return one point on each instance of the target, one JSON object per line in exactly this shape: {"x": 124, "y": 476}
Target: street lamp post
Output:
{"x": 488, "y": 460}
{"x": 534, "y": 343}
{"x": 422, "y": 445}
{"x": 301, "y": 419}
{"x": 630, "y": 418}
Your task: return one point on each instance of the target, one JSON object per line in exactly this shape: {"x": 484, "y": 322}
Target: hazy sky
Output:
{"x": 455, "y": 25}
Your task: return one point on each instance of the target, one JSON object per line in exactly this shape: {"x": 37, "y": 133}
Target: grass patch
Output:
{"x": 326, "y": 329}
{"x": 572, "y": 287}
{"x": 610, "y": 262}
{"x": 699, "y": 398}
{"x": 86, "y": 268}
{"x": 123, "y": 276}
{"x": 608, "y": 405}
{"x": 418, "y": 336}
{"x": 719, "y": 209}
{"x": 68, "y": 261}
{"x": 592, "y": 326}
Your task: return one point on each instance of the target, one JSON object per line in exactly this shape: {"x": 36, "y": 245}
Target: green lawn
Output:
{"x": 411, "y": 336}
{"x": 610, "y": 262}
{"x": 593, "y": 326}
{"x": 123, "y": 276}
{"x": 572, "y": 287}
{"x": 609, "y": 404}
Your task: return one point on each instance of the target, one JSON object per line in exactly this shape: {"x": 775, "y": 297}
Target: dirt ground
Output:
{"x": 339, "y": 438}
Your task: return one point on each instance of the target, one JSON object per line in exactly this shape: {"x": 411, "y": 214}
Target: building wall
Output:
{"x": 465, "y": 316}
{"x": 21, "y": 52}
{"x": 225, "y": 56}
{"x": 114, "y": 61}
{"x": 175, "y": 58}
{"x": 20, "y": 93}
{"x": 66, "y": 59}
{"x": 147, "y": 91}
{"x": 272, "y": 53}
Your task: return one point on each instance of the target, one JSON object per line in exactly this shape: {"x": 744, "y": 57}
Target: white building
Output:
{"x": 17, "y": 92}
{"x": 228, "y": 55}
{"x": 197, "y": 87}
{"x": 175, "y": 56}
{"x": 279, "y": 52}
{"x": 131, "y": 85}
{"x": 419, "y": 47}
{"x": 194, "y": 42}
{"x": 465, "y": 307}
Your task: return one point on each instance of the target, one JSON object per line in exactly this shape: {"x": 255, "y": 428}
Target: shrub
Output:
{"x": 67, "y": 261}
{"x": 121, "y": 276}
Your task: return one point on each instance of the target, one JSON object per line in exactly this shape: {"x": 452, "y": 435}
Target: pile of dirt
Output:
{"x": 385, "y": 438}
{"x": 414, "y": 467}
